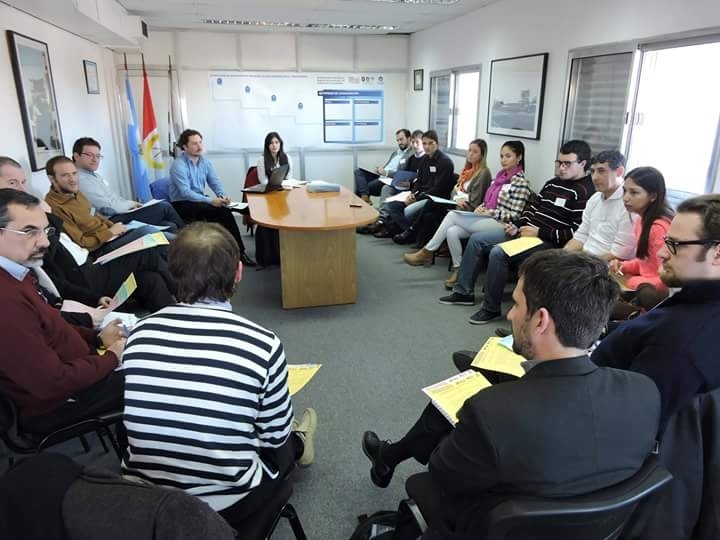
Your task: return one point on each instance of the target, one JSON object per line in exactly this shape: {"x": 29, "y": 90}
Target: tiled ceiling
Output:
{"x": 408, "y": 16}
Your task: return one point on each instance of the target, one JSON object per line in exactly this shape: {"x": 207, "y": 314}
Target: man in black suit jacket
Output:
{"x": 566, "y": 428}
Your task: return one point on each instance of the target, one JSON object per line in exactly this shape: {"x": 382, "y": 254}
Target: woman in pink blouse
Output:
{"x": 645, "y": 195}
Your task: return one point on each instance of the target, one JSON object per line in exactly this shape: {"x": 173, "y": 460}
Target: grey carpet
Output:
{"x": 377, "y": 354}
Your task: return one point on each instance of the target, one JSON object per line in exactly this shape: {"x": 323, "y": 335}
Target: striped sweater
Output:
{"x": 557, "y": 210}
{"x": 205, "y": 391}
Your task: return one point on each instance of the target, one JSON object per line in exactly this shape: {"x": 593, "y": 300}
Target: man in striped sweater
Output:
{"x": 207, "y": 406}
{"x": 552, "y": 216}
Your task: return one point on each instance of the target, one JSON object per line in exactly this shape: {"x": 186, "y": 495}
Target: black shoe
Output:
{"x": 383, "y": 233}
{"x": 380, "y": 474}
{"x": 366, "y": 229}
{"x": 457, "y": 299}
{"x": 483, "y": 317}
{"x": 503, "y": 332}
{"x": 405, "y": 237}
{"x": 463, "y": 359}
{"x": 246, "y": 260}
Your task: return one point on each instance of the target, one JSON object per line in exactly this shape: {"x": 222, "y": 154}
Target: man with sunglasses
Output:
{"x": 675, "y": 343}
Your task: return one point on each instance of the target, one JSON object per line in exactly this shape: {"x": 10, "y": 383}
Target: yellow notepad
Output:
{"x": 519, "y": 245}
{"x": 496, "y": 357}
{"x": 450, "y": 395}
{"x": 299, "y": 375}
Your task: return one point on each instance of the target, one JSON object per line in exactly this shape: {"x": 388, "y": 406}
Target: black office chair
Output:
{"x": 262, "y": 524}
{"x": 20, "y": 442}
{"x": 600, "y": 515}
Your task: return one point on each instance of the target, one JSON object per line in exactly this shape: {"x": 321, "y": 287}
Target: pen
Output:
{"x": 125, "y": 329}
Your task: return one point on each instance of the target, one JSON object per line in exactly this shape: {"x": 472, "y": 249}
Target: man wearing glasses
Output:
{"x": 87, "y": 156}
{"x": 675, "y": 344}
{"x": 552, "y": 216}
{"x": 45, "y": 360}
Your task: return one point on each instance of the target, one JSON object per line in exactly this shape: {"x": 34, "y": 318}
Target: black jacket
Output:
{"x": 436, "y": 176}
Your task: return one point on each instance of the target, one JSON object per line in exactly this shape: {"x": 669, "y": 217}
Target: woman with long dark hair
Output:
{"x": 273, "y": 157}
{"x": 503, "y": 201}
{"x": 645, "y": 195}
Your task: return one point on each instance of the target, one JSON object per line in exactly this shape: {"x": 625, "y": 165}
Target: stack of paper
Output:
{"x": 496, "y": 356}
{"x": 519, "y": 245}
{"x": 299, "y": 375}
{"x": 318, "y": 186}
{"x": 450, "y": 395}
{"x": 146, "y": 242}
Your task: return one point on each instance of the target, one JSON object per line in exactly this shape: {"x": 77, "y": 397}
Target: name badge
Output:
{"x": 433, "y": 168}
{"x": 560, "y": 202}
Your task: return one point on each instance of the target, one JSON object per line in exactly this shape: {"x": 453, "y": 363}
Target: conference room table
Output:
{"x": 318, "y": 254}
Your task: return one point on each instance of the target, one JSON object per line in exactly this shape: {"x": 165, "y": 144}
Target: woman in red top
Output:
{"x": 645, "y": 195}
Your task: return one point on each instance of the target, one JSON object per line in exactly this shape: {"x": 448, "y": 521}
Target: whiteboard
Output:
{"x": 235, "y": 110}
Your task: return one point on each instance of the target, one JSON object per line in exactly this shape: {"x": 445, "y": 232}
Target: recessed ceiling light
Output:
{"x": 279, "y": 24}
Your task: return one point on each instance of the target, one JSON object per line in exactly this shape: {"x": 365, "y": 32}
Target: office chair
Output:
{"x": 600, "y": 515}
{"x": 19, "y": 442}
{"x": 262, "y": 524}
{"x": 251, "y": 179}
{"x": 160, "y": 189}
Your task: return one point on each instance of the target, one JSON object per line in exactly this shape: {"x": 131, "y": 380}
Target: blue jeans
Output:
{"x": 497, "y": 274}
{"x": 478, "y": 245}
{"x": 365, "y": 184}
{"x": 399, "y": 214}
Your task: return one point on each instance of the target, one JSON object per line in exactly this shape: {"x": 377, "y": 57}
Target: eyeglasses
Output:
{"x": 88, "y": 154}
{"x": 672, "y": 245}
{"x": 32, "y": 233}
{"x": 565, "y": 164}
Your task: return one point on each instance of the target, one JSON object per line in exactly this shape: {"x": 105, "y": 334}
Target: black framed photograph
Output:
{"x": 91, "y": 77}
{"x": 36, "y": 95}
{"x": 517, "y": 88}
{"x": 418, "y": 78}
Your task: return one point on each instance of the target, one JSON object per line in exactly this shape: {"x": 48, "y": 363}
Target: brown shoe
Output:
{"x": 452, "y": 280}
{"x": 423, "y": 257}
{"x": 365, "y": 198}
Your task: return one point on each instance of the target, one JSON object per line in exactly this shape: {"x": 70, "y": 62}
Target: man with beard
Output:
{"x": 367, "y": 182}
{"x": 567, "y": 427}
{"x": 675, "y": 343}
{"x": 50, "y": 369}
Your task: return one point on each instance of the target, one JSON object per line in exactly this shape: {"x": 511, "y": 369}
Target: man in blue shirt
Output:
{"x": 188, "y": 175}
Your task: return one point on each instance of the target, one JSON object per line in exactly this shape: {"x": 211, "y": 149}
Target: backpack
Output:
{"x": 405, "y": 523}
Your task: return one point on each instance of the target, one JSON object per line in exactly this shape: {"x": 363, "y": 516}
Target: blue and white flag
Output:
{"x": 139, "y": 169}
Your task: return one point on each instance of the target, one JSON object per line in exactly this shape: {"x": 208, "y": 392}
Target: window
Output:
{"x": 596, "y": 100}
{"x": 655, "y": 102}
{"x": 676, "y": 115}
{"x": 454, "y": 99}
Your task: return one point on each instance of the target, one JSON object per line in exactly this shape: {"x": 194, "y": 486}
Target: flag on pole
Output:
{"x": 151, "y": 138}
{"x": 174, "y": 120}
{"x": 139, "y": 172}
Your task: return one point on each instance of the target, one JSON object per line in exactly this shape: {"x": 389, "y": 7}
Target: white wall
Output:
{"x": 519, "y": 27}
{"x": 81, "y": 114}
{"x": 272, "y": 51}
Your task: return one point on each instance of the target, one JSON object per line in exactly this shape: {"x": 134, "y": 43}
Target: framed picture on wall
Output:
{"x": 91, "y": 77}
{"x": 418, "y": 78}
{"x": 36, "y": 96}
{"x": 517, "y": 88}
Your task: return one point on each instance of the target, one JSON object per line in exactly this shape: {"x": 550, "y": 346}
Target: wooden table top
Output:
{"x": 296, "y": 209}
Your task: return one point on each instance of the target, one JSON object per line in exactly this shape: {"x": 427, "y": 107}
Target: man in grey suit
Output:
{"x": 567, "y": 427}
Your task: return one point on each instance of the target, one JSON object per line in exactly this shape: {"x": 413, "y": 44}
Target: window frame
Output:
{"x": 452, "y": 147}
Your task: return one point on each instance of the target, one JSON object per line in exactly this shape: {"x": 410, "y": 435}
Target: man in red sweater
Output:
{"x": 50, "y": 369}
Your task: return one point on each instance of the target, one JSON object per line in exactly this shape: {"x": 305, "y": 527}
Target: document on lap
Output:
{"x": 400, "y": 197}
{"x": 496, "y": 356}
{"x": 124, "y": 292}
{"x": 138, "y": 224}
{"x": 386, "y": 180}
{"x": 145, "y": 205}
{"x": 450, "y": 395}
{"x": 299, "y": 375}
{"x": 519, "y": 245}
{"x": 238, "y": 205}
{"x": 441, "y": 200}
{"x": 146, "y": 242}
